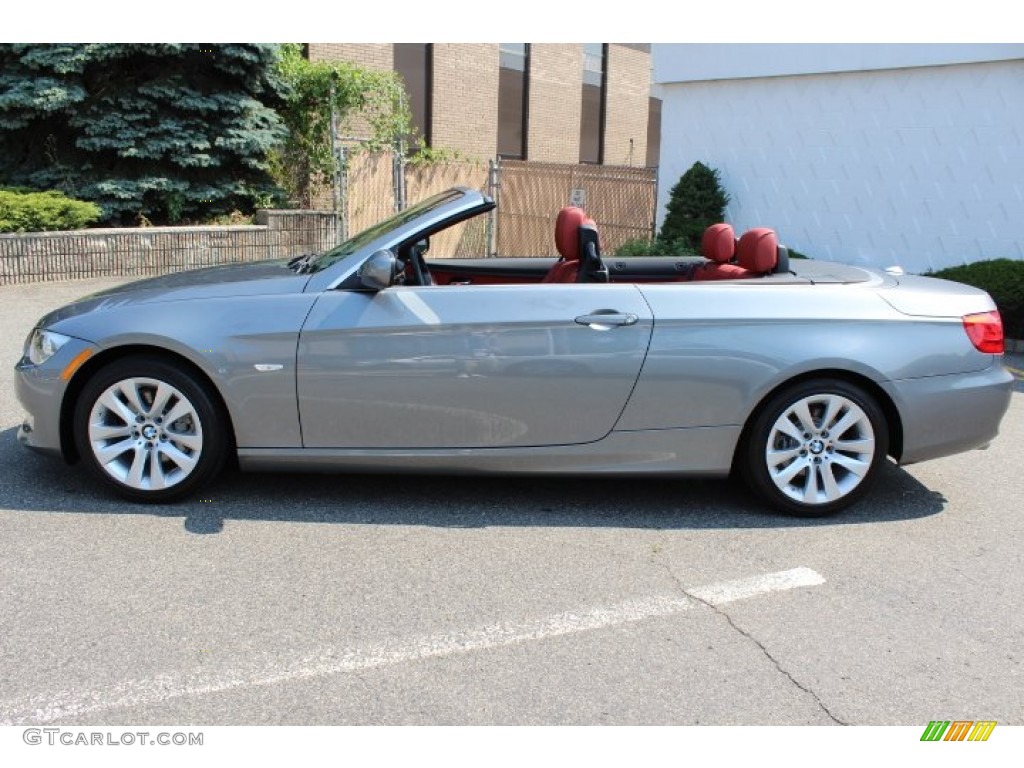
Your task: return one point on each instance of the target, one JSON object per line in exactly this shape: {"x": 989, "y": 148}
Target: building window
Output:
{"x": 513, "y": 99}
{"x": 415, "y": 63}
{"x": 595, "y": 81}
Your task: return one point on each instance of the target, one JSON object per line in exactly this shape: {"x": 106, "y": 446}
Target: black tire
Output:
{"x": 812, "y": 471}
{"x": 132, "y": 448}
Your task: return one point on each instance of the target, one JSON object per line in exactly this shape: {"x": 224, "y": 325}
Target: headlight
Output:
{"x": 43, "y": 345}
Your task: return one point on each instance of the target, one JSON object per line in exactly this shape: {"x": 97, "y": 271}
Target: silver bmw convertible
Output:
{"x": 798, "y": 377}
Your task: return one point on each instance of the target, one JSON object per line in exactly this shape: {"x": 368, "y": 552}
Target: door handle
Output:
{"x": 606, "y": 319}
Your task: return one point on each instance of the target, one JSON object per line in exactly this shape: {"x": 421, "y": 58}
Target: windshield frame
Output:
{"x": 379, "y": 230}
{"x": 333, "y": 267}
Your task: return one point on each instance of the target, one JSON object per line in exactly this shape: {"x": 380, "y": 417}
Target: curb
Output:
{"x": 1014, "y": 364}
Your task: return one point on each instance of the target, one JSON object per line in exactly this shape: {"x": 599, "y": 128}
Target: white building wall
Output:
{"x": 921, "y": 167}
{"x": 687, "y": 62}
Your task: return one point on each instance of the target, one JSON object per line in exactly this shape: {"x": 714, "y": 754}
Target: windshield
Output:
{"x": 381, "y": 229}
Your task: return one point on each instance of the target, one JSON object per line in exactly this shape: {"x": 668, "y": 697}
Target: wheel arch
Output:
{"x": 893, "y": 421}
{"x": 103, "y": 358}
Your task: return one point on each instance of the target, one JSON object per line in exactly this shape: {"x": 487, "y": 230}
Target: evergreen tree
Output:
{"x": 164, "y": 131}
{"x": 696, "y": 202}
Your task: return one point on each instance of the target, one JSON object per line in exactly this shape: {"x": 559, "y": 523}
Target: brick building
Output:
{"x": 561, "y": 103}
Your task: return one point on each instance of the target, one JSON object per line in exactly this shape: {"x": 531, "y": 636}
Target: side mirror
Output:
{"x": 378, "y": 272}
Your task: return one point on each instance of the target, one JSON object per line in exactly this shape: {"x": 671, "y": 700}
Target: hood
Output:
{"x": 252, "y": 279}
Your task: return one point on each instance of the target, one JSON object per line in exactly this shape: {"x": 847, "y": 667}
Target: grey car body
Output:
{"x": 309, "y": 369}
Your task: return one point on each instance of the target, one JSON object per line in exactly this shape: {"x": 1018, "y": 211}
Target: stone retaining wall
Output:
{"x": 41, "y": 256}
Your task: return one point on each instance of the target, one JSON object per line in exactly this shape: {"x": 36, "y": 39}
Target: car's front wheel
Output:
{"x": 816, "y": 447}
{"x": 149, "y": 429}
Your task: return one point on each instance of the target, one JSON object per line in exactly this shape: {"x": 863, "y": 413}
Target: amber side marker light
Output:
{"x": 75, "y": 364}
{"x": 985, "y": 330}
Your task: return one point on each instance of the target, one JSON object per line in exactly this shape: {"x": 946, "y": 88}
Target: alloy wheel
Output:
{"x": 145, "y": 433}
{"x": 820, "y": 449}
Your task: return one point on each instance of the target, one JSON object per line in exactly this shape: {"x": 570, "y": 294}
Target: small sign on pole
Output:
{"x": 578, "y": 198}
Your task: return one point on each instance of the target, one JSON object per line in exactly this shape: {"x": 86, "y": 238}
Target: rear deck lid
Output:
{"x": 932, "y": 297}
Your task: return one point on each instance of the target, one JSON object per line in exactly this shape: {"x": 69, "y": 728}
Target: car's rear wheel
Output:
{"x": 816, "y": 447}
{"x": 150, "y": 430}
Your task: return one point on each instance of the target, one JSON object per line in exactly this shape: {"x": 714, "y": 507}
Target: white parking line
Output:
{"x": 134, "y": 693}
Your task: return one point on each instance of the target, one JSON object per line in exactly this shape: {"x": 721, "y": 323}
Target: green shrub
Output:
{"x": 1003, "y": 279}
{"x": 644, "y": 247}
{"x": 22, "y": 211}
{"x": 696, "y": 202}
{"x": 166, "y": 130}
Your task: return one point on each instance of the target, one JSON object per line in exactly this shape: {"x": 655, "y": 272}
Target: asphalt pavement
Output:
{"x": 350, "y": 599}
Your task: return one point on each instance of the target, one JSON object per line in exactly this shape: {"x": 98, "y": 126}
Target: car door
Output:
{"x": 469, "y": 366}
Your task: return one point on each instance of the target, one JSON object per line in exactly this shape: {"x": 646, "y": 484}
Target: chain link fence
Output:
{"x": 371, "y": 187}
{"x": 621, "y": 200}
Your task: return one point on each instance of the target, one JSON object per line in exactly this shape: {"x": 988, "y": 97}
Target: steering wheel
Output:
{"x": 419, "y": 263}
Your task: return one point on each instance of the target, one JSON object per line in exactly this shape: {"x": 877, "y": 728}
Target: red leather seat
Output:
{"x": 718, "y": 243}
{"x": 758, "y": 251}
{"x": 567, "y": 240}
{"x": 718, "y": 246}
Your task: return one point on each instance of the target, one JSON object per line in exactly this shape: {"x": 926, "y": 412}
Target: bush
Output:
{"x": 1003, "y": 279}
{"x": 695, "y": 203}
{"x": 644, "y": 247}
{"x": 22, "y": 211}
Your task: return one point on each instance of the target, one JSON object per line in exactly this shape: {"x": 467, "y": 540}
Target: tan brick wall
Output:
{"x": 556, "y": 80}
{"x": 465, "y": 97}
{"x": 465, "y": 105}
{"x": 378, "y": 56}
{"x": 369, "y": 55}
{"x": 629, "y": 87}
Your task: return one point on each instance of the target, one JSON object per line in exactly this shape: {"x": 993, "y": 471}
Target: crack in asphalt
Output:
{"x": 755, "y": 641}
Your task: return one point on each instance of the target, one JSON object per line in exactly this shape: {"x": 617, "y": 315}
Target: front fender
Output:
{"x": 226, "y": 339}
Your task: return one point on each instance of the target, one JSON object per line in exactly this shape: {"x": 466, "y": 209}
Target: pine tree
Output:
{"x": 164, "y": 131}
{"x": 696, "y": 202}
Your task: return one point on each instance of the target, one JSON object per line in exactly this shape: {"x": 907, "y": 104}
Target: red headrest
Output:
{"x": 567, "y": 238}
{"x": 718, "y": 243}
{"x": 758, "y": 250}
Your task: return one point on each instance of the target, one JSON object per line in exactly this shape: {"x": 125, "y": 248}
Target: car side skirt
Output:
{"x": 705, "y": 451}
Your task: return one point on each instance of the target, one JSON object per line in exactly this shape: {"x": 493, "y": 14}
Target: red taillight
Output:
{"x": 986, "y": 331}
